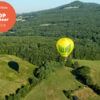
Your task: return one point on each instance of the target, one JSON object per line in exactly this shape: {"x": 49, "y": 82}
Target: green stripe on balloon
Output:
{"x": 61, "y": 49}
{"x": 67, "y": 49}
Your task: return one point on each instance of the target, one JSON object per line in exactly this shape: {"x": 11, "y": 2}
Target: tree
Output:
{"x": 75, "y": 65}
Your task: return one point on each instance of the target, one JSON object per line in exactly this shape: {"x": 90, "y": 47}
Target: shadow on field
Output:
{"x": 14, "y": 65}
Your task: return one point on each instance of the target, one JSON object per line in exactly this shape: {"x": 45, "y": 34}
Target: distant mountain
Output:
{"x": 78, "y": 4}
{"x": 73, "y": 5}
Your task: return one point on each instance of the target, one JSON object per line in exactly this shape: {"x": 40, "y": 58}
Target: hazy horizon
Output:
{"x": 27, "y": 6}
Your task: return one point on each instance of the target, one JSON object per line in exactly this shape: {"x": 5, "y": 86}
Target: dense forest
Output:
{"x": 34, "y": 35}
{"x": 40, "y": 49}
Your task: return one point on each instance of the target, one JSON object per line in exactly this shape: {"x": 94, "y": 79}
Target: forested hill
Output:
{"x": 80, "y": 5}
{"x": 78, "y": 20}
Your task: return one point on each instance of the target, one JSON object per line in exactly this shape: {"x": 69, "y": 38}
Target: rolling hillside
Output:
{"x": 50, "y": 88}
{"x": 10, "y": 79}
{"x": 62, "y": 78}
{"x": 95, "y": 69}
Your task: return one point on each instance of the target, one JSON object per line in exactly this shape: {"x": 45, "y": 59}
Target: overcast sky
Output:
{"x": 22, "y": 6}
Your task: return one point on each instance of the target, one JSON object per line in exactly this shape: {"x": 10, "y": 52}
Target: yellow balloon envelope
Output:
{"x": 65, "y": 46}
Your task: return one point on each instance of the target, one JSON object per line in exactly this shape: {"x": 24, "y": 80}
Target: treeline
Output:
{"x": 83, "y": 74}
{"x": 37, "y": 50}
{"x": 46, "y": 69}
{"x": 68, "y": 94}
{"x": 22, "y": 92}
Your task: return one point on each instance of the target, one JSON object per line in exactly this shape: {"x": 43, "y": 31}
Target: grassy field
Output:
{"x": 10, "y": 79}
{"x": 51, "y": 88}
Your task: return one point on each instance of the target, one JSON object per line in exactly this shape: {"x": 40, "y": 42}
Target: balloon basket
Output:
{"x": 65, "y": 59}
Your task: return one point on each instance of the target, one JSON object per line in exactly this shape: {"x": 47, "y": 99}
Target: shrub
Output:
{"x": 89, "y": 81}
{"x": 68, "y": 93}
{"x": 96, "y": 88}
{"x": 75, "y": 98}
{"x": 6, "y": 97}
{"x": 46, "y": 69}
{"x": 30, "y": 80}
{"x": 83, "y": 75}
{"x": 11, "y": 97}
{"x": 75, "y": 65}
{"x": 36, "y": 74}
{"x": 83, "y": 71}
{"x": 16, "y": 97}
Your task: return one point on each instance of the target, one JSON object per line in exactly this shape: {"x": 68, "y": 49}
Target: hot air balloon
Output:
{"x": 65, "y": 46}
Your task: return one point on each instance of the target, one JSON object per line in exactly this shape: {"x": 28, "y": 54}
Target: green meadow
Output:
{"x": 10, "y": 79}
{"x": 62, "y": 79}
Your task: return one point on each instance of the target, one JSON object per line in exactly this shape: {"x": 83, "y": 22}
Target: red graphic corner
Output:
{"x": 7, "y": 16}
